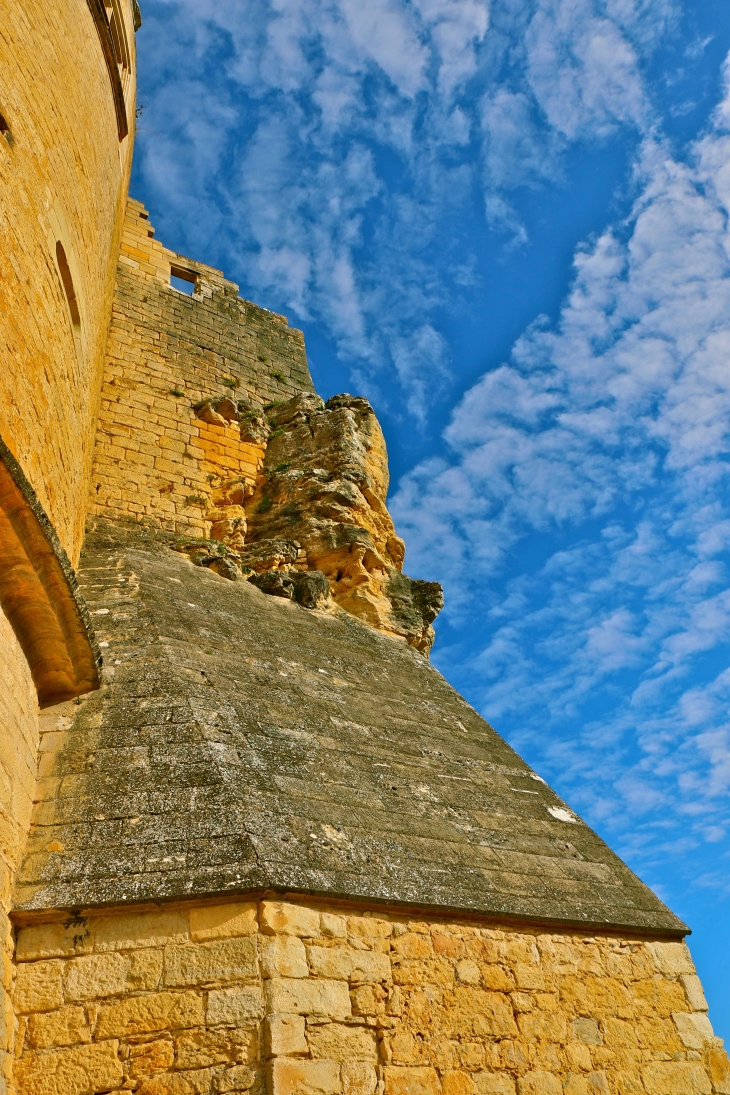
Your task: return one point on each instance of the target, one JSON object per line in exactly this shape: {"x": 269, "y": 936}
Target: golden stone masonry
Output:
{"x": 250, "y": 840}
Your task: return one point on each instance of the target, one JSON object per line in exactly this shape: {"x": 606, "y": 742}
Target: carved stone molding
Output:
{"x": 39, "y": 596}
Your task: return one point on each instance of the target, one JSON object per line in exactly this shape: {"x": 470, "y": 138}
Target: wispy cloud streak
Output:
{"x": 601, "y": 450}
{"x": 342, "y": 143}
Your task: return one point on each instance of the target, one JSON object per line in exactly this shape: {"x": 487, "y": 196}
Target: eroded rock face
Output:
{"x": 323, "y": 487}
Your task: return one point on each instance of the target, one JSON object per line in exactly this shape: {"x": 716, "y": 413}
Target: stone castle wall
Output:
{"x": 63, "y": 176}
{"x": 156, "y": 459}
{"x": 19, "y": 721}
{"x": 301, "y": 999}
{"x": 68, "y": 172}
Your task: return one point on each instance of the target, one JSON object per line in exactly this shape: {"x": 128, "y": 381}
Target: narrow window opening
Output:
{"x": 68, "y": 285}
{"x": 119, "y": 40}
{"x": 183, "y": 280}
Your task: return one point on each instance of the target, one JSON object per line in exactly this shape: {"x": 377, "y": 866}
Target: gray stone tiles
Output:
{"x": 242, "y": 743}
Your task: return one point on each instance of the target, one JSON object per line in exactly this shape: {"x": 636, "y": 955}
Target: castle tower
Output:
{"x": 264, "y": 847}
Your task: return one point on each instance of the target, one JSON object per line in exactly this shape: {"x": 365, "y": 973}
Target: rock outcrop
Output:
{"x": 322, "y": 488}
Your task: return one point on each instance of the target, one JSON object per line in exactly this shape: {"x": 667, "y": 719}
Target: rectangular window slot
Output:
{"x": 183, "y": 280}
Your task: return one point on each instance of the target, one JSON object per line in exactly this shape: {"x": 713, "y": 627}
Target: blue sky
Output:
{"x": 506, "y": 223}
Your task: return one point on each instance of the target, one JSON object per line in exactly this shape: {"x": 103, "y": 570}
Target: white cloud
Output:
{"x": 262, "y": 137}
{"x": 583, "y": 69}
{"x": 602, "y": 447}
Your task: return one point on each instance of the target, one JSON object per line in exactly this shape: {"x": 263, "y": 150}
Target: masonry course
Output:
{"x": 376, "y": 1002}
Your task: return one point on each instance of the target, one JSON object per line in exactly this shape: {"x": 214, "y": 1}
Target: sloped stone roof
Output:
{"x": 242, "y": 743}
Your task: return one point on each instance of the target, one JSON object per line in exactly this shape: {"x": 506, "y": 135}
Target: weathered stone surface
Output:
{"x": 297, "y": 1077}
{"x": 539, "y": 1083}
{"x": 83, "y": 1070}
{"x": 494, "y": 1083}
{"x": 672, "y": 958}
{"x": 590, "y": 1013}
{"x": 148, "y": 1058}
{"x": 238, "y": 1078}
{"x": 196, "y": 1081}
{"x": 717, "y": 1063}
{"x": 224, "y": 567}
{"x": 349, "y": 768}
{"x": 694, "y": 991}
{"x": 675, "y": 1078}
{"x": 411, "y": 1081}
{"x": 348, "y": 964}
{"x": 127, "y": 932}
{"x": 695, "y": 1029}
{"x": 271, "y": 554}
{"x": 343, "y": 1043}
{"x": 38, "y": 986}
{"x": 97, "y": 975}
{"x": 201, "y": 1048}
{"x": 285, "y": 1036}
{"x": 358, "y": 1078}
{"x": 149, "y": 1014}
{"x": 223, "y": 921}
{"x": 283, "y": 957}
{"x": 234, "y": 1006}
{"x": 50, "y": 940}
{"x": 65, "y": 1027}
{"x": 298, "y": 997}
{"x": 324, "y": 484}
{"x": 199, "y": 963}
{"x": 284, "y": 917}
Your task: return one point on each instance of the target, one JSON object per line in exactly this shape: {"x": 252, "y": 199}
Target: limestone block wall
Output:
{"x": 19, "y": 722}
{"x": 62, "y": 162}
{"x": 156, "y": 460}
{"x": 294, "y": 998}
{"x": 63, "y": 176}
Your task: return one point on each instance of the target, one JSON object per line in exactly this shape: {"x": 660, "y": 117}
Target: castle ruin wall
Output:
{"x": 156, "y": 461}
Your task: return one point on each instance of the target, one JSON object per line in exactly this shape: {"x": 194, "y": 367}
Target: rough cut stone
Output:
{"x": 283, "y": 957}
{"x": 149, "y": 1014}
{"x": 83, "y": 1070}
{"x": 196, "y": 964}
{"x": 96, "y": 975}
{"x": 234, "y": 1006}
{"x": 297, "y": 1077}
{"x": 285, "y": 1036}
{"x": 675, "y": 1078}
{"x": 65, "y": 1027}
{"x": 223, "y": 921}
{"x": 38, "y": 986}
{"x": 289, "y": 919}
{"x": 343, "y": 1043}
{"x": 345, "y": 963}
{"x": 325, "y": 998}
